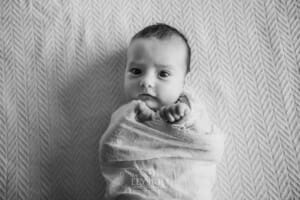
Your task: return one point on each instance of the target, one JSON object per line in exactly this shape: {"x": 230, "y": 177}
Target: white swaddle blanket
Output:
{"x": 148, "y": 162}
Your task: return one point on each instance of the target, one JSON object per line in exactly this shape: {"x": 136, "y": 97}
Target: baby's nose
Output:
{"x": 147, "y": 82}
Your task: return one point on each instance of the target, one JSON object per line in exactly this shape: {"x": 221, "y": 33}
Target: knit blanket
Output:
{"x": 170, "y": 162}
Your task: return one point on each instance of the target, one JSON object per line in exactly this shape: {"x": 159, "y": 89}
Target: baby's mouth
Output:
{"x": 146, "y": 96}
{"x": 151, "y": 101}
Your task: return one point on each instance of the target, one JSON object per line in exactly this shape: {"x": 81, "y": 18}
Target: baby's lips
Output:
{"x": 147, "y": 97}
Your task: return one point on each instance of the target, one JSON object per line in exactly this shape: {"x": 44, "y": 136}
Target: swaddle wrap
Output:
{"x": 139, "y": 161}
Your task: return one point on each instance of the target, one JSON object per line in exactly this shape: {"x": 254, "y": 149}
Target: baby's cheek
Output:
{"x": 170, "y": 97}
{"x": 130, "y": 91}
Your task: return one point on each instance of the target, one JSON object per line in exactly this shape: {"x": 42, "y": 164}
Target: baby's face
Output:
{"x": 155, "y": 70}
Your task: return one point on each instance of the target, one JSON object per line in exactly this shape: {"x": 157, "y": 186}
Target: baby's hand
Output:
{"x": 174, "y": 113}
{"x": 143, "y": 112}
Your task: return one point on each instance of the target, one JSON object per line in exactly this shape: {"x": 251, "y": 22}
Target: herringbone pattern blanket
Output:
{"x": 61, "y": 65}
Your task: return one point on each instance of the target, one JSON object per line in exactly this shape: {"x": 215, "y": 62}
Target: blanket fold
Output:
{"x": 143, "y": 163}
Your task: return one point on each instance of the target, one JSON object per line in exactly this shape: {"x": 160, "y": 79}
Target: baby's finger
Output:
{"x": 180, "y": 110}
{"x": 169, "y": 115}
{"x": 140, "y": 111}
{"x": 177, "y": 117}
{"x": 144, "y": 117}
{"x": 129, "y": 109}
{"x": 173, "y": 109}
{"x": 149, "y": 113}
{"x": 162, "y": 112}
{"x": 138, "y": 107}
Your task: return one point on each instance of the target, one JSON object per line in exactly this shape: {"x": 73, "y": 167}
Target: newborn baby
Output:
{"x": 161, "y": 144}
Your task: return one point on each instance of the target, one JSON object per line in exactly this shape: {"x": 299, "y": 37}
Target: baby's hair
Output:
{"x": 162, "y": 31}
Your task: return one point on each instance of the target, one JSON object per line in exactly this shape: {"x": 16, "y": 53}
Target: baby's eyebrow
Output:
{"x": 164, "y": 66}
{"x": 136, "y": 63}
{"x": 142, "y": 64}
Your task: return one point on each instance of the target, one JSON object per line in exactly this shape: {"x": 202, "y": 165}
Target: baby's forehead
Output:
{"x": 137, "y": 49}
{"x": 141, "y": 42}
{"x": 168, "y": 52}
{"x": 141, "y": 46}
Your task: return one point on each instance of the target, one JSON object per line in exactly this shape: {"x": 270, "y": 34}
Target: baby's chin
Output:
{"x": 152, "y": 102}
{"x": 155, "y": 104}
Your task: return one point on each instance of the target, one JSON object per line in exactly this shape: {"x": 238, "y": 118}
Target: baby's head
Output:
{"x": 158, "y": 59}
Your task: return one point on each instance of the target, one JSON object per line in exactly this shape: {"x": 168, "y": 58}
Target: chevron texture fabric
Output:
{"x": 61, "y": 65}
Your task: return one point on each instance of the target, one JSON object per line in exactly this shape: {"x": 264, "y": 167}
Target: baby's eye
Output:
{"x": 164, "y": 74}
{"x": 135, "y": 71}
